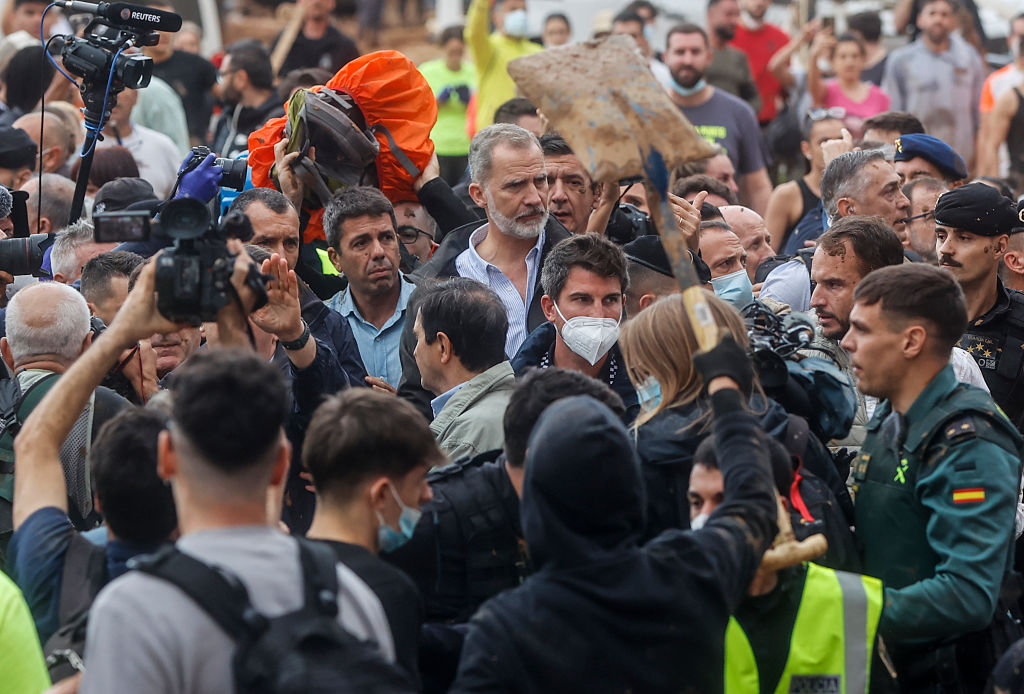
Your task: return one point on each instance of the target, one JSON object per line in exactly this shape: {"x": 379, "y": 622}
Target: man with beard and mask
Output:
{"x": 919, "y": 228}
{"x": 247, "y": 89}
{"x": 508, "y": 251}
{"x": 939, "y": 77}
{"x": 618, "y": 616}
{"x": 729, "y": 69}
{"x": 760, "y": 40}
{"x": 584, "y": 280}
{"x": 492, "y": 52}
{"x": 719, "y": 117}
{"x": 363, "y": 246}
{"x": 972, "y": 233}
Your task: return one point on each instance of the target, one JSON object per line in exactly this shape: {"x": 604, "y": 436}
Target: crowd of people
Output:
{"x": 437, "y": 415}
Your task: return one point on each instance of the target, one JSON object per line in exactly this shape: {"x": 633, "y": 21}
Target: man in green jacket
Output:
{"x": 936, "y": 481}
{"x": 460, "y": 351}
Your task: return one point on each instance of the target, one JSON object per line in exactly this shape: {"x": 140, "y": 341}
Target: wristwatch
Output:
{"x": 299, "y": 342}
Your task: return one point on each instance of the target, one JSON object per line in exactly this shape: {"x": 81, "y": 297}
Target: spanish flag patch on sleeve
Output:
{"x": 966, "y": 496}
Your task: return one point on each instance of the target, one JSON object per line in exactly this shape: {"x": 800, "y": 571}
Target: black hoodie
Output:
{"x": 602, "y": 613}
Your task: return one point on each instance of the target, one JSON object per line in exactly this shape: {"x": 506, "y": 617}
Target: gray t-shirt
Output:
{"x": 728, "y": 121}
{"x": 145, "y": 635}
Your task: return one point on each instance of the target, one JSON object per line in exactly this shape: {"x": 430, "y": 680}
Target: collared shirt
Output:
{"x": 470, "y": 264}
{"x": 438, "y": 403}
{"x": 379, "y": 348}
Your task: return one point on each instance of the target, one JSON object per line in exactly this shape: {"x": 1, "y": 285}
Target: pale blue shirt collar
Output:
{"x": 343, "y": 303}
{"x": 438, "y": 403}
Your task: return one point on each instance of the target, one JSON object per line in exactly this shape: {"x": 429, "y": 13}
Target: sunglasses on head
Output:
{"x": 817, "y": 114}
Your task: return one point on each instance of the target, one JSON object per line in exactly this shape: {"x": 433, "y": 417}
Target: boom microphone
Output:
{"x": 125, "y": 14}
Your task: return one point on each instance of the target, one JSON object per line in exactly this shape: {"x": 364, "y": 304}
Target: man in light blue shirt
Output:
{"x": 364, "y": 247}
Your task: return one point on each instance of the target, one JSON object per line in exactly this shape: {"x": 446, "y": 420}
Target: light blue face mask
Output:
{"x": 649, "y": 34}
{"x": 688, "y": 91}
{"x": 649, "y": 393}
{"x": 389, "y": 539}
{"x": 516, "y": 24}
{"x": 734, "y": 288}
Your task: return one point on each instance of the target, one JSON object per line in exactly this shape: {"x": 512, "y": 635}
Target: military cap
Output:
{"x": 933, "y": 150}
{"x": 17, "y": 149}
{"x": 978, "y": 209}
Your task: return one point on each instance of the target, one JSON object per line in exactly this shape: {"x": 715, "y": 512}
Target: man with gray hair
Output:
{"x": 47, "y": 329}
{"x": 72, "y": 248}
{"x": 58, "y": 192}
{"x": 506, "y": 253}
{"x": 509, "y": 182}
{"x": 861, "y": 183}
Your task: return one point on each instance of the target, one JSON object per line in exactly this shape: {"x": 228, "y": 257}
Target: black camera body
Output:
{"x": 234, "y": 170}
{"x": 193, "y": 278}
{"x": 92, "y": 57}
{"x": 628, "y": 223}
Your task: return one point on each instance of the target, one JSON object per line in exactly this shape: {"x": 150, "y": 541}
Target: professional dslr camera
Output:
{"x": 234, "y": 170}
{"x": 22, "y": 253}
{"x": 193, "y": 277}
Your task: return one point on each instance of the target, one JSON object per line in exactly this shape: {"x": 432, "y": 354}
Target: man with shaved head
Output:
{"x": 753, "y": 233}
{"x": 53, "y": 152}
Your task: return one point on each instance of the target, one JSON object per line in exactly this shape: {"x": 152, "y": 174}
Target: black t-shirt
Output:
{"x": 398, "y": 596}
{"x": 330, "y": 51}
{"x": 191, "y": 76}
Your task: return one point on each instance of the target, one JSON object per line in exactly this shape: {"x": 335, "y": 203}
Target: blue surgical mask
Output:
{"x": 688, "y": 91}
{"x": 389, "y": 539}
{"x": 734, "y": 288}
{"x": 516, "y": 24}
{"x": 649, "y": 34}
{"x": 649, "y": 393}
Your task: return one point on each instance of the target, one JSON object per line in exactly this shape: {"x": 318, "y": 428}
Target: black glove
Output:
{"x": 726, "y": 359}
{"x": 463, "y": 91}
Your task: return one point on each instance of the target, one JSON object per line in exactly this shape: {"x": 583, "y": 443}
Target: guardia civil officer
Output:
{"x": 936, "y": 481}
{"x": 973, "y": 227}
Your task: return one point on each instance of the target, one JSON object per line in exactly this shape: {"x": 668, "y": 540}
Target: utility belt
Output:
{"x": 963, "y": 665}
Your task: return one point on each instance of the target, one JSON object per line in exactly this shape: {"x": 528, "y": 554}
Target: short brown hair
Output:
{"x": 361, "y": 433}
{"x": 873, "y": 241}
{"x": 917, "y": 291}
{"x": 687, "y": 28}
{"x": 684, "y": 187}
{"x": 588, "y": 251}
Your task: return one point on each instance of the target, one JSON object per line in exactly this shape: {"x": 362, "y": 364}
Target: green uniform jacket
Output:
{"x": 935, "y": 502}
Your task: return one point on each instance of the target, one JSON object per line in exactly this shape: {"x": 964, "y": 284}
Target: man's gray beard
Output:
{"x": 507, "y": 225}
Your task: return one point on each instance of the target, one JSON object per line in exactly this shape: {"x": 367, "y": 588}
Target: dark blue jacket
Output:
{"x": 541, "y": 343}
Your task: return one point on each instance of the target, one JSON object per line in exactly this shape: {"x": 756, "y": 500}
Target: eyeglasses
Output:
{"x": 923, "y": 215}
{"x": 221, "y": 76}
{"x": 409, "y": 234}
{"x": 817, "y": 114}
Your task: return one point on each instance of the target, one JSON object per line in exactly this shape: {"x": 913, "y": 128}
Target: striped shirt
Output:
{"x": 470, "y": 264}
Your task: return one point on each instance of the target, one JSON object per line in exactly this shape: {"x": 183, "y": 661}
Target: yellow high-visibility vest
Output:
{"x": 832, "y": 641}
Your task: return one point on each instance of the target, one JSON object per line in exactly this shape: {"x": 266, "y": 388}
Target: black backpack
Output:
{"x": 305, "y": 651}
{"x": 83, "y": 576}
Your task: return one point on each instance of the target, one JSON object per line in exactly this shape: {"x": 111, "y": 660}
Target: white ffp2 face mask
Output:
{"x": 699, "y": 521}
{"x": 589, "y": 337}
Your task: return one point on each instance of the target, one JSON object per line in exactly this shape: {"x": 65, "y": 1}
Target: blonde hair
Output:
{"x": 660, "y": 343}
